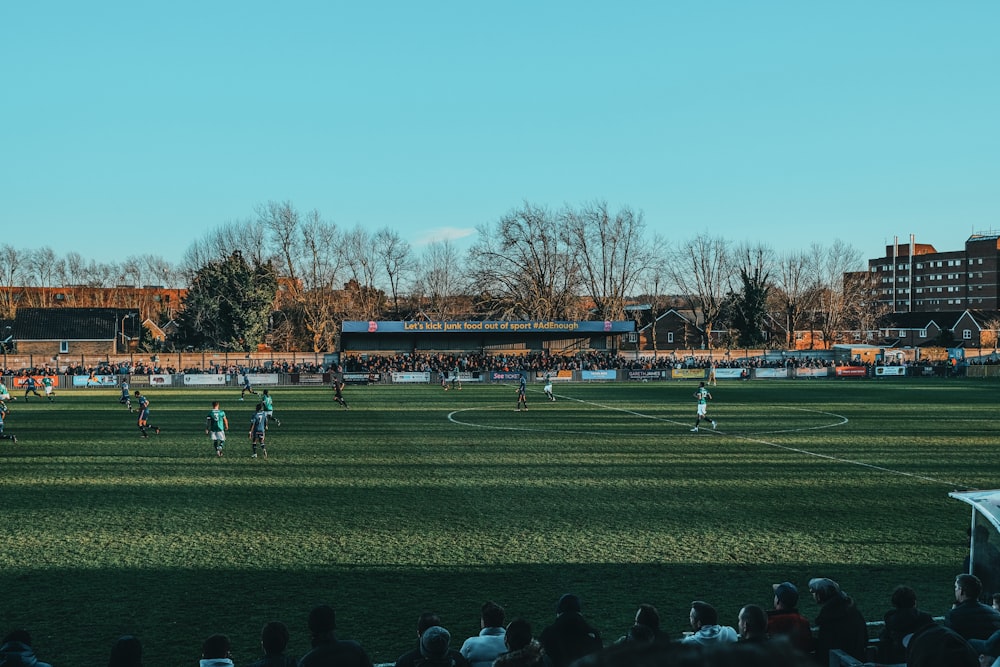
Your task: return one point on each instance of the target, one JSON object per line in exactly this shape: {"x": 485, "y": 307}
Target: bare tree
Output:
{"x": 247, "y": 237}
{"x": 522, "y": 267}
{"x": 613, "y": 253}
{"x": 321, "y": 263}
{"x": 439, "y": 279}
{"x": 793, "y": 284}
{"x": 828, "y": 265}
{"x": 654, "y": 283}
{"x": 396, "y": 257}
{"x": 13, "y": 265}
{"x": 363, "y": 270}
{"x": 282, "y": 223}
{"x": 700, "y": 270}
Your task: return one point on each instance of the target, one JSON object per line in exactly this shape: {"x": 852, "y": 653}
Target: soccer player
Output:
{"x": 258, "y": 424}
{"x": 268, "y": 404}
{"x": 3, "y": 415}
{"x": 703, "y": 397}
{"x": 247, "y": 389}
{"x": 30, "y": 387}
{"x": 522, "y": 394}
{"x": 548, "y": 387}
{"x": 443, "y": 377}
{"x": 50, "y": 390}
{"x": 216, "y": 424}
{"x": 455, "y": 378}
{"x": 338, "y": 392}
{"x": 144, "y": 415}
{"x": 5, "y": 393}
{"x": 126, "y": 397}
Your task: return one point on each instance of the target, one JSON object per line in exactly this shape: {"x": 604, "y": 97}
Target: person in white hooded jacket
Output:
{"x": 705, "y": 623}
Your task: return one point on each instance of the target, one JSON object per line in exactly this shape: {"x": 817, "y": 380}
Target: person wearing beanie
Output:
{"x": 839, "y": 622}
{"x": 938, "y": 646}
{"x": 786, "y": 621}
{"x": 433, "y": 646}
{"x": 327, "y": 650}
{"x": 570, "y": 636}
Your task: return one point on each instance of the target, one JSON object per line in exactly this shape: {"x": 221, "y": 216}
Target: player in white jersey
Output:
{"x": 703, "y": 397}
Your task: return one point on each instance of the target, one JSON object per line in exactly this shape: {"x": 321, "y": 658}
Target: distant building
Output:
{"x": 915, "y": 277}
{"x": 76, "y": 331}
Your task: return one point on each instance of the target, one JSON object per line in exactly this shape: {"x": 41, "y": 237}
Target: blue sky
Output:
{"x": 134, "y": 127}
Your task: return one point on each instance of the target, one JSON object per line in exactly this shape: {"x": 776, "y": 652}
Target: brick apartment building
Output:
{"x": 916, "y": 278}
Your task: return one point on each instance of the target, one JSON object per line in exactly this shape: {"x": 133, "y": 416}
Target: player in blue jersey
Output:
{"x": 30, "y": 387}
{"x": 522, "y": 394}
{"x": 143, "y": 421}
{"x": 703, "y": 397}
{"x": 126, "y": 397}
{"x": 216, "y": 424}
{"x": 258, "y": 427}
{"x": 247, "y": 388}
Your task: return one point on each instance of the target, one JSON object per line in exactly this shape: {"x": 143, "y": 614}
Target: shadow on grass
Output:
{"x": 75, "y": 615}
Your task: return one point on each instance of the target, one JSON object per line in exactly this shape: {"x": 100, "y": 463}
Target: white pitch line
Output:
{"x": 748, "y": 438}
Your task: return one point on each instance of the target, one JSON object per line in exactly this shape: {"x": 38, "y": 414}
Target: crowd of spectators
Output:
{"x": 968, "y": 635}
{"x": 484, "y": 362}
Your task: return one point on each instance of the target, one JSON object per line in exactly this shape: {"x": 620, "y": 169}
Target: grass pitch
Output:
{"x": 419, "y": 499}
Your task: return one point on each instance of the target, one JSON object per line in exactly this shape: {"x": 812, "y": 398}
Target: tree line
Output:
{"x": 287, "y": 278}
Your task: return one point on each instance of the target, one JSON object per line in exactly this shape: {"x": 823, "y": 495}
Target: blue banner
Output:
{"x": 492, "y": 326}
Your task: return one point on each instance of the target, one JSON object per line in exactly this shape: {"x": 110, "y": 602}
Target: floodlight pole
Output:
{"x": 127, "y": 316}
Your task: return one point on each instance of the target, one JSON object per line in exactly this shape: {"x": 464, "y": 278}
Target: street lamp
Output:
{"x": 128, "y": 316}
{"x": 6, "y": 343}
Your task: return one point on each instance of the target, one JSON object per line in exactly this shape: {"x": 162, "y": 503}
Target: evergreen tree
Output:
{"x": 228, "y": 304}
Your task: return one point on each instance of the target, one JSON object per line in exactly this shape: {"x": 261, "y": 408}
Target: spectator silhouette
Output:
{"x": 17, "y": 651}
{"x": 419, "y": 656}
{"x": 215, "y": 652}
{"x": 753, "y": 624}
{"x": 484, "y": 648}
{"x": 938, "y": 646}
{"x": 705, "y": 623}
{"x": 327, "y": 650}
{"x": 274, "y": 640}
{"x": 839, "y": 622}
{"x": 903, "y": 619}
{"x": 570, "y": 636}
{"x": 969, "y": 617}
{"x": 786, "y": 621}
{"x": 126, "y": 652}
{"x": 646, "y": 626}
{"x": 523, "y": 650}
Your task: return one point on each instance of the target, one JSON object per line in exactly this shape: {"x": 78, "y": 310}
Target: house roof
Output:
{"x": 74, "y": 323}
{"x": 945, "y": 319}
